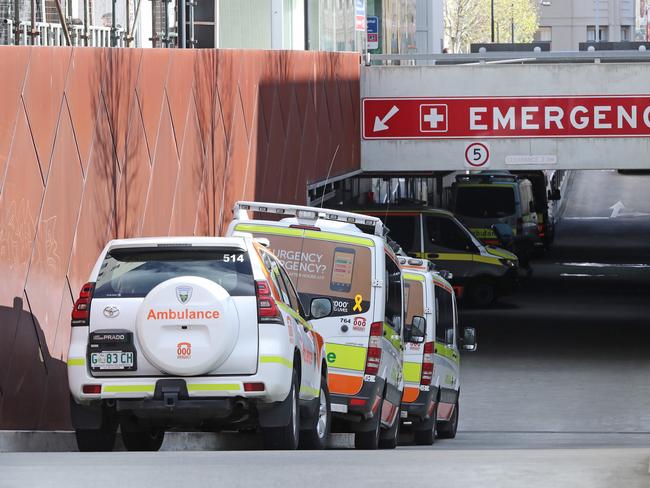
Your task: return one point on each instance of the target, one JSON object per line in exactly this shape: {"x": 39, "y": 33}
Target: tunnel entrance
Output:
{"x": 563, "y": 359}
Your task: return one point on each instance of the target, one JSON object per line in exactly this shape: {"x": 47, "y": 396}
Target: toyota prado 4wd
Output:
{"x": 328, "y": 254}
{"x": 431, "y": 358}
{"x": 198, "y": 333}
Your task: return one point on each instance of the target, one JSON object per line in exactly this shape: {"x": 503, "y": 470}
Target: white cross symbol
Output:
{"x": 433, "y": 118}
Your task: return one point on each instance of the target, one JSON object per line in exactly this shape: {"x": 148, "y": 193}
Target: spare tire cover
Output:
{"x": 187, "y": 326}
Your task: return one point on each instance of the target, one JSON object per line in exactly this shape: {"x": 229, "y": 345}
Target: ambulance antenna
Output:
{"x": 390, "y": 189}
{"x": 322, "y": 197}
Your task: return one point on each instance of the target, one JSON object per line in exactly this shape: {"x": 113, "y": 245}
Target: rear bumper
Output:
{"x": 275, "y": 371}
{"x": 362, "y": 406}
{"x": 421, "y": 408}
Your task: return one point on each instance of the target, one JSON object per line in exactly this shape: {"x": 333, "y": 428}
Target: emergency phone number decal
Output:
{"x": 506, "y": 117}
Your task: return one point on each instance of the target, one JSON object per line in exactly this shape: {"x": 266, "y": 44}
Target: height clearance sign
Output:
{"x": 506, "y": 117}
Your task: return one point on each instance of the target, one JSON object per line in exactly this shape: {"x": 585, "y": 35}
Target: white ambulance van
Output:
{"x": 430, "y": 403}
{"x": 328, "y": 254}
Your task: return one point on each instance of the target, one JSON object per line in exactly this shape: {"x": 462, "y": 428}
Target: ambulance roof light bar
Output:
{"x": 241, "y": 208}
{"x": 416, "y": 263}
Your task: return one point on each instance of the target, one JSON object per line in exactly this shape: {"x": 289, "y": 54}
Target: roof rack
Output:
{"x": 304, "y": 213}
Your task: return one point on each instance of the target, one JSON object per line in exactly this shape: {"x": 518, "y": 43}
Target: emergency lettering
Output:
{"x": 513, "y": 117}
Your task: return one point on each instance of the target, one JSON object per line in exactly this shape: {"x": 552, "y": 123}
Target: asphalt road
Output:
{"x": 569, "y": 353}
{"x": 341, "y": 469}
{"x": 556, "y": 395}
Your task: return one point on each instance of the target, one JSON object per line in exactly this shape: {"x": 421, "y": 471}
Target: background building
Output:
{"x": 566, "y": 23}
{"x": 430, "y": 26}
{"x": 324, "y": 25}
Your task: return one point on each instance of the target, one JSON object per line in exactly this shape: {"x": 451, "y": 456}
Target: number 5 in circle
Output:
{"x": 477, "y": 155}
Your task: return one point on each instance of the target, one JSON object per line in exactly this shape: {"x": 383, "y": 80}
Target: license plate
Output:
{"x": 337, "y": 407}
{"x": 112, "y": 360}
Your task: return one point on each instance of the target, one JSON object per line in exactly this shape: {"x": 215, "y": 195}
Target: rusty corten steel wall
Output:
{"x": 97, "y": 144}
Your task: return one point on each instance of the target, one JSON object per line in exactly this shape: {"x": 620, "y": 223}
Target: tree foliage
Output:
{"x": 468, "y": 21}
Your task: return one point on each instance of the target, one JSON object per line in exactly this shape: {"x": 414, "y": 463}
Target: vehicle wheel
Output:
{"x": 138, "y": 438}
{"x": 447, "y": 429}
{"x": 95, "y": 440}
{"x": 388, "y": 438}
{"x": 286, "y": 437}
{"x": 370, "y": 439}
{"x": 316, "y": 438}
{"x": 482, "y": 293}
{"x": 427, "y": 435}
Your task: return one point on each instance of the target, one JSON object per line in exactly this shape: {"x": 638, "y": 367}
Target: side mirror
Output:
{"x": 554, "y": 194}
{"x": 415, "y": 332}
{"x": 320, "y": 308}
{"x": 504, "y": 233}
{"x": 468, "y": 343}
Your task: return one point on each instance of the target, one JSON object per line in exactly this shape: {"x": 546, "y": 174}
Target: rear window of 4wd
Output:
{"x": 485, "y": 202}
{"x": 131, "y": 273}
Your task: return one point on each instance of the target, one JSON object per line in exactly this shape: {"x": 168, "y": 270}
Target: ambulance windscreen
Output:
{"x": 489, "y": 201}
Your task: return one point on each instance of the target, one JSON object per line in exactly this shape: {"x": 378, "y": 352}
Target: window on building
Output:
{"x": 253, "y": 32}
{"x": 543, "y": 34}
{"x": 591, "y": 33}
{"x": 626, "y": 33}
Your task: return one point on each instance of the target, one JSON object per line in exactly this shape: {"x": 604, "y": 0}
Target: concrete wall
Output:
{"x": 97, "y": 144}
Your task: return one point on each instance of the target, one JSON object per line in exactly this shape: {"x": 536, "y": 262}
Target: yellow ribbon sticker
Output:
{"x": 357, "y": 303}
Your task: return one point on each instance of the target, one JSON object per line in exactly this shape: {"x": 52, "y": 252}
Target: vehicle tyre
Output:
{"x": 369, "y": 440}
{"x": 97, "y": 440}
{"x": 388, "y": 437}
{"x": 427, "y": 435}
{"x": 286, "y": 437}
{"x": 482, "y": 292}
{"x": 316, "y": 438}
{"x": 447, "y": 429}
{"x": 137, "y": 438}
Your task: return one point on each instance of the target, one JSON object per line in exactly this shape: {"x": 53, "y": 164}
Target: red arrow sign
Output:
{"x": 506, "y": 117}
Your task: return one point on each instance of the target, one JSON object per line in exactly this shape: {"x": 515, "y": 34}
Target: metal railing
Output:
{"x": 49, "y": 34}
{"x": 512, "y": 57}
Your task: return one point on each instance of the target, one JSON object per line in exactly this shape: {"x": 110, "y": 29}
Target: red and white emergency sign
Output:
{"x": 506, "y": 117}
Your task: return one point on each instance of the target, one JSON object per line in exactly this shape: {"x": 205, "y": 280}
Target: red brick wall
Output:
{"x": 98, "y": 143}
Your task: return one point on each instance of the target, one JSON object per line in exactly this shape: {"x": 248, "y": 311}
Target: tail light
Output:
{"x": 267, "y": 310}
{"x": 81, "y": 308}
{"x": 254, "y": 386}
{"x": 91, "y": 389}
{"x": 427, "y": 364}
{"x": 540, "y": 230}
{"x": 520, "y": 226}
{"x": 374, "y": 348}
